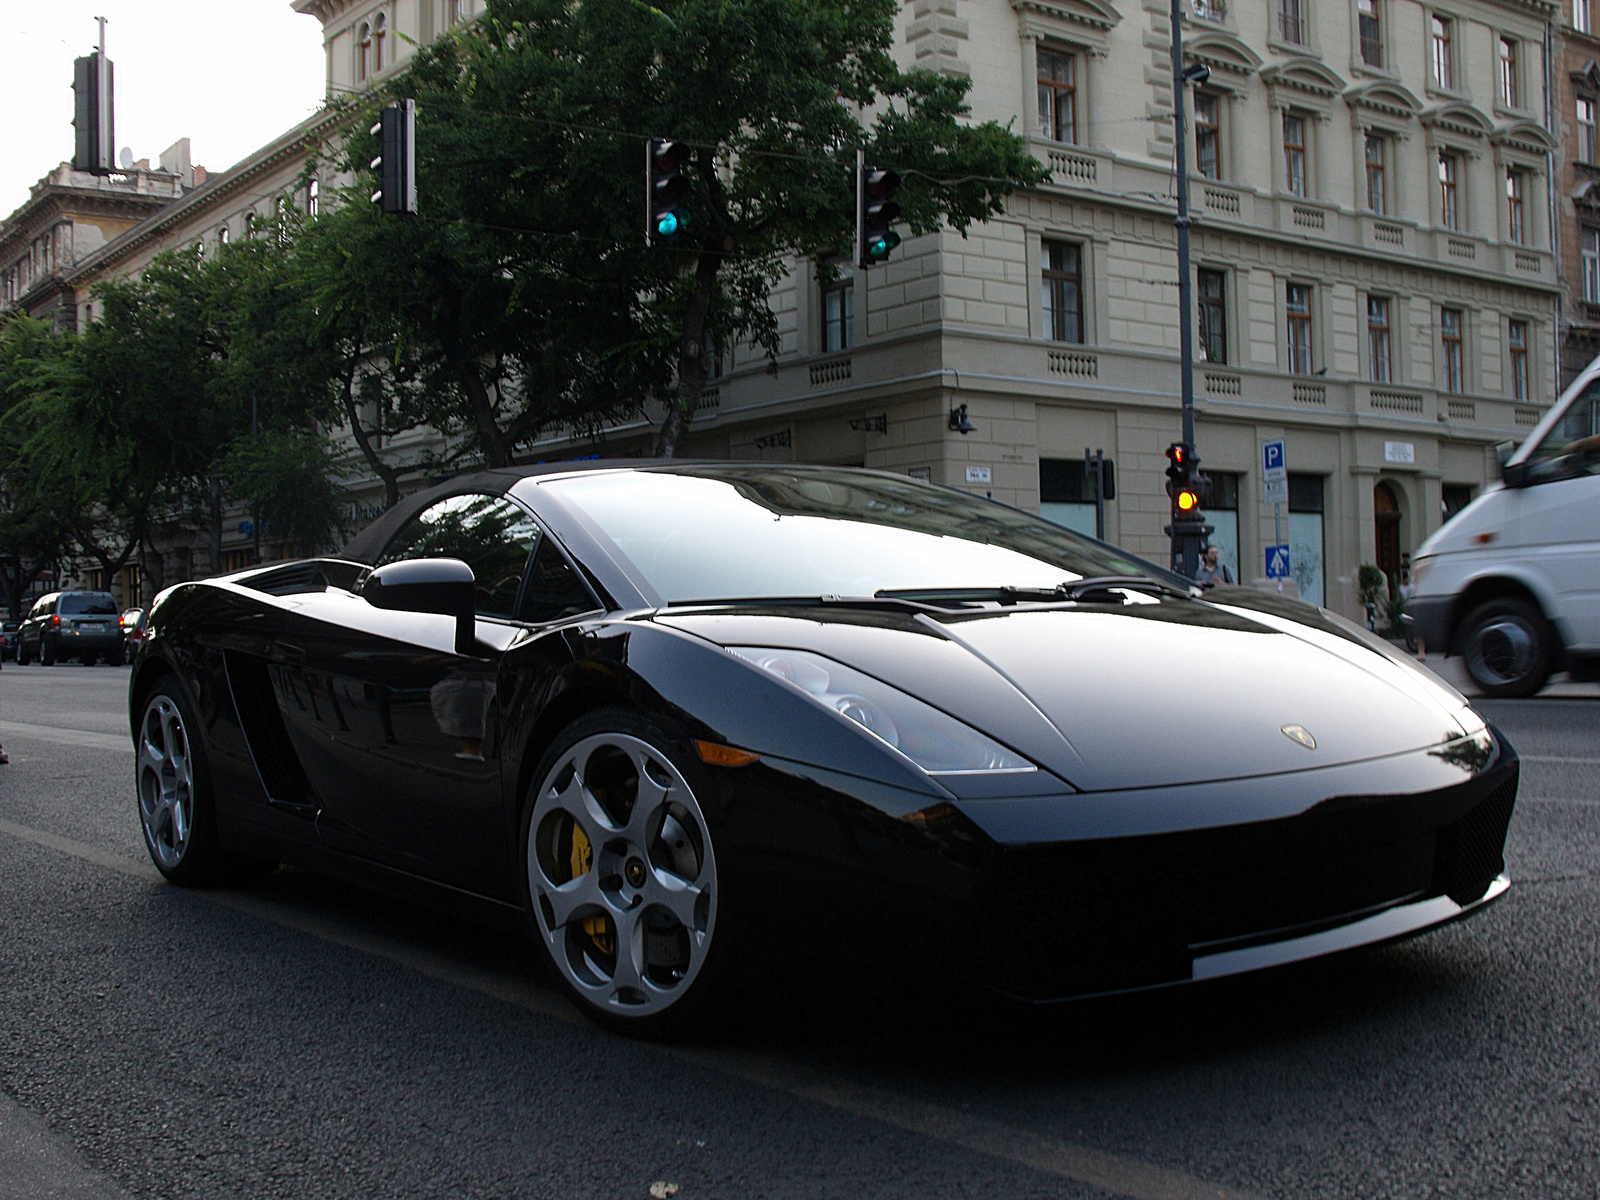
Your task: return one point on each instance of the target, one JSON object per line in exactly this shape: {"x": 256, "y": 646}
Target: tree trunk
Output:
{"x": 692, "y": 366}
{"x": 389, "y": 475}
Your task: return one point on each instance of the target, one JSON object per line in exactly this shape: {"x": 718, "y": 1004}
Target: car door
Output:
{"x": 399, "y": 734}
{"x": 1557, "y": 519}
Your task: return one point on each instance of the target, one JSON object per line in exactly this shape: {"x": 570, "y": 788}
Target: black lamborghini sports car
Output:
{"x": 693, "y": 723}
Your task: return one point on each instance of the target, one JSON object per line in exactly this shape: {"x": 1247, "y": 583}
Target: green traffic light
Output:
{"x": 667, "y": 224}
{"x": 879, "y": 247}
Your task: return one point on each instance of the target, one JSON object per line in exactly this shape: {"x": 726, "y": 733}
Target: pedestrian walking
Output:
{"x": 1211, "y": 570}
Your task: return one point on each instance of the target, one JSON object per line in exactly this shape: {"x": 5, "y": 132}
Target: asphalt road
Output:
{"x": 303, "y": 1039}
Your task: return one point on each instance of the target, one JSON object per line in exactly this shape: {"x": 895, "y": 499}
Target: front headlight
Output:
{"x": 936, "y": 742}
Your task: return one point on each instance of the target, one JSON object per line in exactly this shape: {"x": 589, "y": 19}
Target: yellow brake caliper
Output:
{"x": 598, "y": 926}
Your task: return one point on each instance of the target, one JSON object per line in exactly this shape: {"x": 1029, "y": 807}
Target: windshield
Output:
{"x": 730, "y": 532}
{"x": 1572, "y": 446}
{"x": 79, "y": 604}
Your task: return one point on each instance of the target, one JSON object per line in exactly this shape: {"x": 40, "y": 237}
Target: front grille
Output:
{"x": 1472, "y": 851}
{"x": 1106, "y": 915}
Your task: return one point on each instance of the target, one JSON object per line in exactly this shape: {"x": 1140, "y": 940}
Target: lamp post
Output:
{"x": 1189, "y": 530}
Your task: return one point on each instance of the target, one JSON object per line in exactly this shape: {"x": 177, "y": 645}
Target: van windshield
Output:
{"x": 1572, "y": 446}
{"x": 88, "y": 604}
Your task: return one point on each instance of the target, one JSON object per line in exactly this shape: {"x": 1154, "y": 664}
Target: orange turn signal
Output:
{"x": 719, "y": 755}
{"x": 1187, "y": 501}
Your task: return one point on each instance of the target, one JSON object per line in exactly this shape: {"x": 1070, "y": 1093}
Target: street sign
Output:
{"x": 1277, "y": 562}
{"x": 1273, "y": 463}
{"x": 1275, "y": 491}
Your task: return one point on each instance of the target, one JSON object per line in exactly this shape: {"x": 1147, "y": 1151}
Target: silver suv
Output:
{"x": 82, "y": 625}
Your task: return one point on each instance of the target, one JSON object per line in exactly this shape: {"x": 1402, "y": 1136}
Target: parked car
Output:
{"x": 1512, "y": 582}
{"x": 81, "y": 625}
{"x": 8, "y": 639}
{"x": 133, "y": 622}
{"x": 713, "y": 726}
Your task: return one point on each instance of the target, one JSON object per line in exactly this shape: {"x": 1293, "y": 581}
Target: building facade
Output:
{"x": 1375, "y": 271}
{"x": 1577, "y": 87}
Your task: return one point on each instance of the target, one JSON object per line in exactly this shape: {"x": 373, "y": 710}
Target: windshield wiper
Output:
{"x": 883, "y": 600}
{"x": 1078, "y": 588}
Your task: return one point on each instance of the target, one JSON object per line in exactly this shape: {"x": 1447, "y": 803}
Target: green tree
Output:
{"x": 32, "y": 538}
{"x": 527, "y": 274}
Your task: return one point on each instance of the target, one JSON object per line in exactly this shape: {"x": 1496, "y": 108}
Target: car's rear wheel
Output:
{"x": 176, "y": 806}
{"x": 89, "y": 660}
{"x": 117, "y": 657}
{"x": 22, "y": 653}
{"x": 1508, "y": 647}
{"x": 621, "y": 876}
{"x": 47, "y": 652}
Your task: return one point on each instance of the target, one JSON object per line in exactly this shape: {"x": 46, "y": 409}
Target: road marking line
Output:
{"x": 68, "y": 737}
{"x": 1113, "y": 1173}
{"x": 1547, "y": 758}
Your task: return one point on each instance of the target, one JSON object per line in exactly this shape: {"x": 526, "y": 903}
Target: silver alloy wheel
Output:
{"x": 1502, "y": 651}
{"x": 166, "y": 781}
{"x": 622, "y": 874}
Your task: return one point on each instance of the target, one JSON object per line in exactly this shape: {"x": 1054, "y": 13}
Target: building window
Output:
{"x": 1207, "y": 131}
{"x": 1213, "y": 316}
{"x": 364, "y": 54}
{"x": 314, "y": 197}
{"x": 380, "y": 30}
{"x": 1453, "y": 497}
{"x": 1450, "y": 347}
{"x": 1443, "y": 63}
{"x": 1581, "y": 16}
{"x": 1510, "y": 84}
{"x": 839, "y": 308}
{"x": 1291, "y": 23}
{"x": 1371, "y": 32}
{"x": 1516, "y": 227}
{"x": 1209, "y": 10}
{"x": 1066, "y": 493}
{"x": 200, "y": 248}
{"x": 1306, "y": 536}
{"x": 1449, "y": 210}
{"x": 224, "y": 235}
{"x": 1586, "y": 140}
{"x": 1297, "y": 305}
{"x": 1517, "y": 342}
{"x": 1063, "y": 291}
{"x": 1294, "y": 154}
{"x": 458, "y": 11}
{"x": 1377, "y": 182}
{"x": 1222, "y": 510}
{"x": 1591, "y": 266}
{"x": 1058, "y": 96}
{"x": 1378, "y": 339}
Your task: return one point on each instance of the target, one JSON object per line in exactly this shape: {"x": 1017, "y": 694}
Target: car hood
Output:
{"x": 1142, "y": 695}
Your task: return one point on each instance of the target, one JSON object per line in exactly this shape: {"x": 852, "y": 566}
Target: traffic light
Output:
{"x": 875, "y": 214}
{"x": 92, "y": 113}
{"x": 396, "y": 163}
{"x": 1179, "y": 455}
{"x": 1189, "y": 490}
{"x": 666, "y": 186}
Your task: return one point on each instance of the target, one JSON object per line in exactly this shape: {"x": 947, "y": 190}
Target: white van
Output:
{"x": 1512, "y": 582}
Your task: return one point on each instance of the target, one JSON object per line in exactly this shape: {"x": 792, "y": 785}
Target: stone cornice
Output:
{"x": 1096, "y": 14}
{"x": 1382, "y": 96}
{"x": 1457, "y": 118}
{"x": 306, "y": 136}
{"x": 1304, "y": 75}
{"x": 1527, "y": 136}
{"x": 1222, "y": 52}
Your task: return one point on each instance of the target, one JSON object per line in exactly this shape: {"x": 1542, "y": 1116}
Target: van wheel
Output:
{"x": 1508, "y": 647}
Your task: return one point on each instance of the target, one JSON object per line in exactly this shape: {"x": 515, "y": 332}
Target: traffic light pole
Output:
{"x": 1188, "y": 531}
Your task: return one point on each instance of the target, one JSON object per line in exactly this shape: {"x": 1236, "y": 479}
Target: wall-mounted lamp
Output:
{"x": 958, "y": 420}
{"x": 1198, "y": 74}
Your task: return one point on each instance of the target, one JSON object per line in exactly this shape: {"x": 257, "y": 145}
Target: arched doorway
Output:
{"x": 1386, "y": 519}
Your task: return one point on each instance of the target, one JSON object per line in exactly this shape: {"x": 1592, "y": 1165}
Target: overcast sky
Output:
{"x": 230, "y": 75}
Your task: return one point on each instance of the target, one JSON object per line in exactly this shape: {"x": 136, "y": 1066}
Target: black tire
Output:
{"x": 89, "y": 660}
{"x": 177, "y": 810}
{"x": 1508, "y": 647}
{"x": 22, "y": 654}
{"x": 47, "y": 652}
{"x": 117, "y": 657}
{"x": 637, "y": 864}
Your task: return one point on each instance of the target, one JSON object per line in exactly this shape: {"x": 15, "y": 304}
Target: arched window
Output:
{"x": 223, "y": 235}
{"x": 380, "y": 28}
{"x": 313, "y": 197}
{"x": 364, "y": 55}
{"x": 200, "y": 248}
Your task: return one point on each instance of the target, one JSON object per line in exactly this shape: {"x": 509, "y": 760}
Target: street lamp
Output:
{"x": 1188, "y": 532}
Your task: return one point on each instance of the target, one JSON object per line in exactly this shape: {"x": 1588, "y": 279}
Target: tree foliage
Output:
{"x": 528, "y": 277}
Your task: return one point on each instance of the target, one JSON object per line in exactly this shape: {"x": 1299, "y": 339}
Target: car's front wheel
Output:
{"x": 621, "y": 875}
{"x": 1508, "y": 647}
{"x": 22, "y": 653}
{"x": 176, "y": 803}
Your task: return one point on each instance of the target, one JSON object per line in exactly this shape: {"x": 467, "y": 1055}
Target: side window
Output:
{"x": 554, "y": 589}
{"x": 492, "y": 536}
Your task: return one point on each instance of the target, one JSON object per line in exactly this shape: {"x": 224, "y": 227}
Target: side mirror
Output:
{"x": 430, "y": 585}
{"x": 1513, "y": 475}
